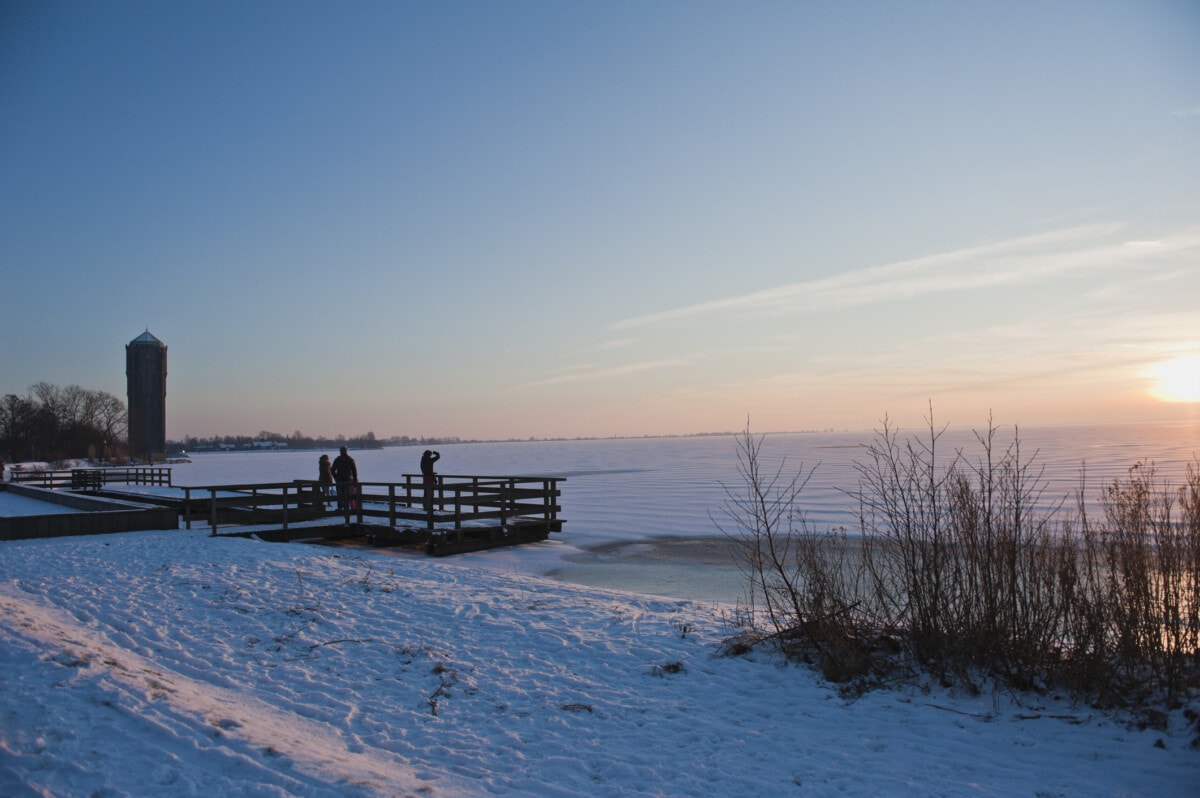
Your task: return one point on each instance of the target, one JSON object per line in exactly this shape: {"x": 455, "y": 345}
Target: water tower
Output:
{"x": 146, "y": 376}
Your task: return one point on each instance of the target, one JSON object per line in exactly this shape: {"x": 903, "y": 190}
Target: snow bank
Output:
{"x": 171, "y": 663}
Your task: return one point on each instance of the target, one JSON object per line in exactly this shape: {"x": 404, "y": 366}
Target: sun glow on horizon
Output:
{"x": 1176, "y": 380}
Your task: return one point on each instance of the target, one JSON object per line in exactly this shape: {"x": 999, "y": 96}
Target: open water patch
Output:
{"x": 695, "y": 568}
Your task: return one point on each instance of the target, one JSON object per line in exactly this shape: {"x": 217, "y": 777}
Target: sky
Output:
{"x": 544, "y": 219}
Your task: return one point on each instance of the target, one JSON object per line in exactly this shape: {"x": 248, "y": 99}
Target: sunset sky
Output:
{"x": 515, "y": 219}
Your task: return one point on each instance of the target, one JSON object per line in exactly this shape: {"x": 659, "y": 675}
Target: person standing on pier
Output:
{"x": 324, "y": 478}
{"x": 345, "y": 473}
{"x": 429, "y": 476}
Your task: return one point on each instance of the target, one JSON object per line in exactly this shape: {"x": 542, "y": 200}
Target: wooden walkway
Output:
{"x": 457, "y": 513}
{"x": 465, "y": 512}
{"x": 93, "y": 478}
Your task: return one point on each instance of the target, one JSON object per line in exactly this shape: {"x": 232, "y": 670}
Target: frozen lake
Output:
{"x": 660, "y": 493}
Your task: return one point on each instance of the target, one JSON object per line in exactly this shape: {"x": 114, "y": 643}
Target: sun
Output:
{"x": 1176, "y": 380}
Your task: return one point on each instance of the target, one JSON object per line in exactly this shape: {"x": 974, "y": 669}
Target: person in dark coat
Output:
{"x": 429, "y": 477}
{"x": 345, "y": 474}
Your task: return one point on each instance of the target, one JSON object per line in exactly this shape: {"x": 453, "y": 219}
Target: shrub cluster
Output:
{"x": 960, "y": 570}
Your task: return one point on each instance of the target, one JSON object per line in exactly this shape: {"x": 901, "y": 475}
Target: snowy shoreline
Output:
{"x": 174, "y": 664}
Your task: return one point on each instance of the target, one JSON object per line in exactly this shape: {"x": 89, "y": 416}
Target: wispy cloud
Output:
{"x": 608, "y": 372}
{"x": 1013, "y": 262}
{"x": 616, "y": 343}
{"x": 1187, "y": 112}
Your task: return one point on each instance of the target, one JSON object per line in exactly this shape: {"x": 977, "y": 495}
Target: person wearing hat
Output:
{"x": 430, "y": 478}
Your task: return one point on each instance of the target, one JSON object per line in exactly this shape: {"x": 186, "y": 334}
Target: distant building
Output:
{"x": 146, "y": 377}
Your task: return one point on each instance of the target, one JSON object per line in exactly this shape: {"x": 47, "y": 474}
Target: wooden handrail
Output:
{"x": 457, "y": 500}
{"x": 94, "y": 477}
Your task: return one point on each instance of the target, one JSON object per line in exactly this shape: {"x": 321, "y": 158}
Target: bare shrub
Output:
{"x": 1145, "y": 583}
{"x": 962, "y": 569}
{"x": 801, "y": 584}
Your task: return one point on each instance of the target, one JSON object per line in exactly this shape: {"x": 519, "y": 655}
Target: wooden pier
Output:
{"x": 93, "y": 479}
{"x": 464, "y": 512}
{"x": 455, "y": 513}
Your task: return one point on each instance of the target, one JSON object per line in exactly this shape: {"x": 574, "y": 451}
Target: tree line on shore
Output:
{"x": 297, "y": 440}
{"x": 54, "y": 423}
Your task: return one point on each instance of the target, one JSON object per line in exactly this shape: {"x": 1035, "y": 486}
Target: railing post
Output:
{"x": 391, "y": 503}
{"x": 187, "y": 507}
{"x": 212, "y": 507}
{"x": 457, "y": 508}
{"x": 285, "y": 505}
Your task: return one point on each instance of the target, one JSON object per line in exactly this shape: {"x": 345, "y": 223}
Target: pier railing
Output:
{"x": 93, "y": 478}
{"x": 450, "y": 502}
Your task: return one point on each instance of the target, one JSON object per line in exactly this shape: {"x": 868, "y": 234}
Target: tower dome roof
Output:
{"x": 146, "y": 338}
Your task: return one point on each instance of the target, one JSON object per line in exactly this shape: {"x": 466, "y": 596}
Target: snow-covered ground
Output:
{"x": 172, "y": 663}
{"x": 14, "y": 504}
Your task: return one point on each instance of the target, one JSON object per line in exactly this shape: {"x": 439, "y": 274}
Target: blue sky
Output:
{"x": 514, "y": 219}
